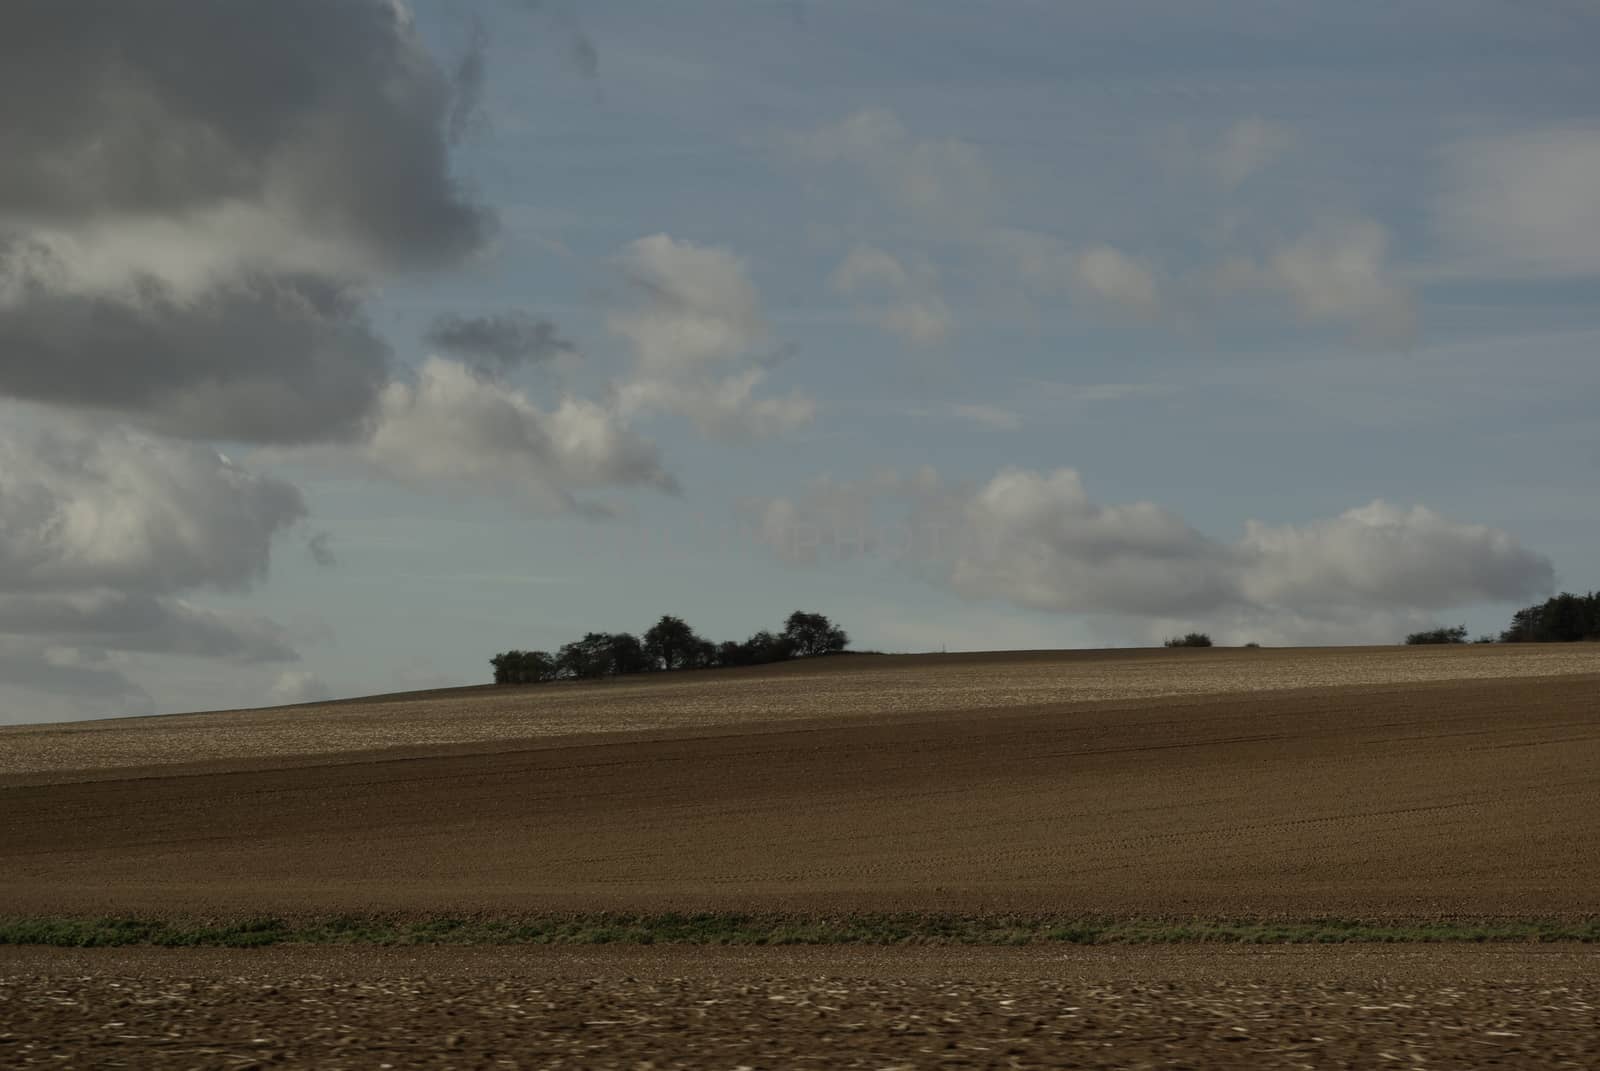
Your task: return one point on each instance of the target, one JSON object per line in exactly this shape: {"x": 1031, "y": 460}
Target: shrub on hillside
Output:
{"x": 1193, "y": 639}
{"x": 1458, "y": 634}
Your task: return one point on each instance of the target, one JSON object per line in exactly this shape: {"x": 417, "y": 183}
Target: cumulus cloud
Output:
{"x": 263, "y": 359}
{"x": 1526, "y": 202}
{"x": 453, "y": 428}
{"x": 725, "y": 408}
{"x": 1037, "y": 539}
{"x": 500, "y": 340}
{"x": 694, "y": 323}
{"x": 695, "y": 306}
{"x": 104, "y": 533}
{"x": 40, "y": 682}
{"x": 903, "y": 301}
{"x": 195, "y": 197}
{"x": 328, "y": 111}
{"x": 1334, "y": 273}
{"x": 132, "y": 621}
{"x": 466, "y": 109}
{"x": 132, "y": 512}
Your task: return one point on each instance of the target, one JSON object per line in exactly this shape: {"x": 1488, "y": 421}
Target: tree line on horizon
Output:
{"x": 669, "y": 644}
{"x": 1563, "y": 618}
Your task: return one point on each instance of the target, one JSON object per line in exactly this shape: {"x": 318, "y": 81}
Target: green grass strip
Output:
{"x": 721, "y": 928}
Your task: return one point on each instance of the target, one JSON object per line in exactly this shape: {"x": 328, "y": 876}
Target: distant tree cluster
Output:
{"x": 669, "y": 644}
{"x": 1193, "y": 639}
{"x": 1566, "y": 618}
{"x": 1457, "y": 634}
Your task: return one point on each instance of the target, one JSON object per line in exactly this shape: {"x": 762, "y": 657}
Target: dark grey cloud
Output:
{"x": 125, "y": 621}
{"x": 499, "y": 340}
{"x": 197, "y": 194}
{"x": 330, "y": 108}
{"x": 466, "y": 110}
{"x": 270, "y": 358}
{"x": 320, "y": 546}
{"x": 24, "y": 667}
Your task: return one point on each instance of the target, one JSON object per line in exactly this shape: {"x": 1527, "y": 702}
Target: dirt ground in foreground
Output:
{"x": 1475, "y": 798}
{"x": 1343, "y": 1007}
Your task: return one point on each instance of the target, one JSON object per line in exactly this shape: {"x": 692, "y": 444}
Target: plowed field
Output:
{"x": 770, "y": 1009}
{"x": 1475, "y": 796}
{"x": 1385, "y": 784}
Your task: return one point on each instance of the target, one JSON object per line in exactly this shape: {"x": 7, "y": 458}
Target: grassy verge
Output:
{"x": 738, "y": 929}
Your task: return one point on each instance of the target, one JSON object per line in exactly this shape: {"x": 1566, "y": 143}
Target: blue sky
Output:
{"x": 1091, "y": 286}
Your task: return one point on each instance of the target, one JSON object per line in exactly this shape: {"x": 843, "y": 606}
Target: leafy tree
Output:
{"x": 671, "y": 643}
{"x": 1458, "y": 634}
{"x": 813, "y": 634}
{"x": 587, "y": 658}
{"x": 628, "y": 654}
{"x": 1565, "y": 618}
{"x": 522, "y": 667}
{"x": 764, "y": 647}
{"x": 1193, "y": 639}
{"x": 704, "y": 655}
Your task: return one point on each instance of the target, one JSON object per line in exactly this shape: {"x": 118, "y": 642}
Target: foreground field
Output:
{"x": 1166, "y": 796}
{"x": 1468, "y": 798}
{"x": 852, "y": 1008}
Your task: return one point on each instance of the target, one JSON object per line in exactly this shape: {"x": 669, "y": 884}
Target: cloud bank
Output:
{"x": 1036, "y": 539}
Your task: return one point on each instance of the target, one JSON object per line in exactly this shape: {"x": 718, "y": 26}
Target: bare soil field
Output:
{"x": 783, "y": 1008}
{"x": 855, "y": 686}
{"x": 1476, "y": 796}
{"x": 1378, "y": 784}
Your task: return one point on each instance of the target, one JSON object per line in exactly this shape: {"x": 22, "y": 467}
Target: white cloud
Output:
{"x": 1523, "y": 203}
{"x": 696, "y": 306}
{"x": 129, "y": 511}
{"x": 902, "y": 301}
{"x": 1334, "y": 273}
{"x": 103, "y": 532}
{"x": 725, "y": 408}
{"x": 1037, "y": 540}
{"x": 453, "y": 428}
{"x": 1384, "y": 555}
{"x": 694, "y": 323}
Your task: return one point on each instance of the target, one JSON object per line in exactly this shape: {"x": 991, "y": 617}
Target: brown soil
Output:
{"x": 1475, "y": 797}
{"x": 785, "y": 1008}
{"x": 854, "y": 686}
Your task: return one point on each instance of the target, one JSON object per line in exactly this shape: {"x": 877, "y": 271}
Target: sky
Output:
{"x": 344, "y": 343}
